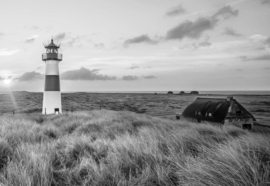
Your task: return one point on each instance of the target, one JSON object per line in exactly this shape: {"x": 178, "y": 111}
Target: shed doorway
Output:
{"x": 247, "y": 126}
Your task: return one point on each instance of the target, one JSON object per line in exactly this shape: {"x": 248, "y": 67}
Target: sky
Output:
{"x": 137, "y": 45}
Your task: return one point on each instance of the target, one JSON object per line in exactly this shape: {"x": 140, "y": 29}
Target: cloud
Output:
{"x": 204, "y": 43}
{"x": 264, "y": 57}
{"x": 32, "y": 27}
{"x": 99, "y": 45}
{"x": 140, "y": 39}
{"x": 191, "y": 29}
{"x": 194, "y": 29}
{"x": 174, "y": 11}
{"x": 31, "y": 39}
{"x": 149, "y": 77}
{"x": 72, "y": 41}
{"x": 261, "y": 58}
{"x": 226, "y": 12}
{"x": 133, "y": 66}
{"x": 30, "y": 76}
{"x": 192, "y": 46}
{"x": 129, "y": 78}
{"x": 265, "y": 1}
{"x": 267, "y": 42}
{"x": 60, "y": 36}
{"x": 38, "y": 68}
{"x": 262, "y": 40}
{"x": 5, "y": 52}
{"x": 258, "y": 38}
{"x": 1, "y": 78}
{"x": 231, "y": 32}
{"x": 195, "y": 46}
{"x": 243, "y": 58}
{"x": 85, "y": 74}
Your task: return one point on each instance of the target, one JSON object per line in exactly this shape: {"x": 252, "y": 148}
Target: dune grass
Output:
{"x": 124, "y": 148}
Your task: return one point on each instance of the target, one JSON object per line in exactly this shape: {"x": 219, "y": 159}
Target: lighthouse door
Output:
{"x": 56, "y": 110}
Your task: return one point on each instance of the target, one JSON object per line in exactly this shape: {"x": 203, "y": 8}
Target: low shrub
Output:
{"x": 89, "y": 128}
{"x": 51, "y": 132}
{"x": 6, "y": 153}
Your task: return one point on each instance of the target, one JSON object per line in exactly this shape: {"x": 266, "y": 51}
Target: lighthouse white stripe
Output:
{"x": 52, "y": 67}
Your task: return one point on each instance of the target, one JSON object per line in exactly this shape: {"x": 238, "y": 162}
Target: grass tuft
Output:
{"x": 6, "y": 153}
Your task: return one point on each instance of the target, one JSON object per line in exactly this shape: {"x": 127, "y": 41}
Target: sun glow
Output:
{"x": 7, "y": 81}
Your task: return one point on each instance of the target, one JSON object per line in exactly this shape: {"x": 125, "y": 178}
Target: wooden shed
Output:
{"x": 217, "y": 110}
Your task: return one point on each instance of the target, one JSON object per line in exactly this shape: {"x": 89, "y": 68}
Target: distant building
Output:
{"x": 217, "y": 110}
{"x": 182, "y": 92}
{"x": 170, "y": 92}
{"x": 194, "y": 92}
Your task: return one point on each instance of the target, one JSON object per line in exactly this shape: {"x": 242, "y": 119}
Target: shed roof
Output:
{"x": 218, "y": 107}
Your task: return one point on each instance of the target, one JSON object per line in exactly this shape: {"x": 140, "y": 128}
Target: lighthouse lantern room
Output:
{"x": 52, "y": 95}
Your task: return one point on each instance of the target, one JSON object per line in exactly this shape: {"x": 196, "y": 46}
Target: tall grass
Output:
{"x": 124, "y": 148}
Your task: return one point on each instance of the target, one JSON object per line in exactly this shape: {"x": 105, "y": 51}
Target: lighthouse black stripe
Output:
{"x": 52, "y": 83}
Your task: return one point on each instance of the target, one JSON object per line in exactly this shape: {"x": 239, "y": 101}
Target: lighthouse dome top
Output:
{"x": 51, "y": 45}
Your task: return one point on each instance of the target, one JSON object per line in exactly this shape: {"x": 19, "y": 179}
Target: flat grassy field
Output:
{"x": 110, "y": 148}
{"x": 155, "y": 105}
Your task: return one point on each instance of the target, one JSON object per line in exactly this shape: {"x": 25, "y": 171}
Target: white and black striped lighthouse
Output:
{"x": 52, "y": 95}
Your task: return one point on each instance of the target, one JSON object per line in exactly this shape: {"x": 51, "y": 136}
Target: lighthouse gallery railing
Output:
{"x": 52, "y": 56}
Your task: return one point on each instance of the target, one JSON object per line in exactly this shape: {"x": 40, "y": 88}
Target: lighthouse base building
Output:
{"x": 52, "y": 103}
{"x": 52, "y": 94}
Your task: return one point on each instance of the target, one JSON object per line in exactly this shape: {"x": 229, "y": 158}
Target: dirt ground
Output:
{"x": 162, "y": 105}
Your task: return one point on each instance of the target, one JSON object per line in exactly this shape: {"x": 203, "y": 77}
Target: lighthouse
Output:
{"x": 52, "y": 95}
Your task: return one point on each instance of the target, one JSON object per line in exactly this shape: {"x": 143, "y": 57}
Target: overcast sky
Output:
{"x": 137, "y": 45}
